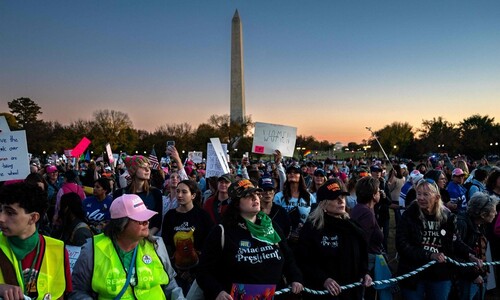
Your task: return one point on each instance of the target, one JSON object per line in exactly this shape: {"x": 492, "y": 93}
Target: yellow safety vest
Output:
{"x": 51, "y": 278}
{"x": 109, "y": 275}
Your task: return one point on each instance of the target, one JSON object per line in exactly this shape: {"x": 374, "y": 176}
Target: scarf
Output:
{"x": 264, "y": 231}
{"x": 21, "y": 247}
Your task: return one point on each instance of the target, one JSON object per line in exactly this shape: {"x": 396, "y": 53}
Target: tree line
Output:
{"x": 474, "y": 136}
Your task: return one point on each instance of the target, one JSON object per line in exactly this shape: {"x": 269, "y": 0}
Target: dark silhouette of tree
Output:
{"x": 438, "y": 135}
{"x": 25, "y": 110}
{"x": 476, "y": 133}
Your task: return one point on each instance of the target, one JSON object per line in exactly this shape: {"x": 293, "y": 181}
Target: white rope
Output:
{"x": 391, "y": 280}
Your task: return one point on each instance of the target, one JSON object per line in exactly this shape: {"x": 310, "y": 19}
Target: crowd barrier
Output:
{"x": 391, "y": 280}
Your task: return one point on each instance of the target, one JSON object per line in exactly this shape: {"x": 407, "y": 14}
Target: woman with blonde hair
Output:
{"x": 427, "y": 232}
{"x": 332, "y": 250}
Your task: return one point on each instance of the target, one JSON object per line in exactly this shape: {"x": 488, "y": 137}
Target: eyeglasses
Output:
{"x": 141, "y": 222}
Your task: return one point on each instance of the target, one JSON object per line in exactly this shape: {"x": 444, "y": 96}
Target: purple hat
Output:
{"x": 130, "y": 205}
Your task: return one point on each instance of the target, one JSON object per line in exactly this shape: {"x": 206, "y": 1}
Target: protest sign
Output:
{"x": 80, "y": 148}
{"x": 214, "y": 166}
{"x": 269, "y": 137}
{"x": 14, "y": 161}
{"x": 195, "y": 156}
{"x": 111, "y": 159}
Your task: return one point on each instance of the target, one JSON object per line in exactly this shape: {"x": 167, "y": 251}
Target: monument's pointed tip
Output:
{"x": 236, "y": 14}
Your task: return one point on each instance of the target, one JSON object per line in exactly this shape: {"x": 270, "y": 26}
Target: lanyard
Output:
{"x": 129, "y": 275}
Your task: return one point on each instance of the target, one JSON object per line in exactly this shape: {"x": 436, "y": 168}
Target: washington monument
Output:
{"x": 237, "y": 113}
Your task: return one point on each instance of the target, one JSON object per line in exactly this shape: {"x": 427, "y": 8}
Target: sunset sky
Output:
{"x": 328, "y": 67}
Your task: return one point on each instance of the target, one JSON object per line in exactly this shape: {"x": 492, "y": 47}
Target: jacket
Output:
{"x": 413, "y": 240}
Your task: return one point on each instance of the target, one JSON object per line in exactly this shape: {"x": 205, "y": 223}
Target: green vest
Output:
{"x": 110, "y": 275}
{"x": 51, "y": 278}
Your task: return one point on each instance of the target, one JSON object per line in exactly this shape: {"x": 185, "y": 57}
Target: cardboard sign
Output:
{"x": 195, "y": 156}
{"x": 213, "y": 165}
{"x": 14, "y": 158}
{"x": 270, "y": 137}
{"x": 81, "y": 147}
{"x": 73, "y": 254}
{"x": 111, "y": 159}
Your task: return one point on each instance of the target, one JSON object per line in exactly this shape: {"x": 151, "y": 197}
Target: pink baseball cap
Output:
{"x": 51, "y": 169}
{"x": 132, "y": 206}
{"x": 457, "y": 172}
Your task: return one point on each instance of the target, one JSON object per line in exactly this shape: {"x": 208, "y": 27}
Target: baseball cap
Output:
{"x": 293, "y": 168}
{"x": 375, "y": 168}
{"x": 242, "y": 188}
{"x": 130, "y": 205}
{"x": 51, "y": 169}
{"x": 457, "y": 172}
{"x": 319, "y": 172}
{"x": 330, "y": 190}
{"x": 225, "y": 177}
{"x": 415, "y": 176}
{"x": 266, "y": 183}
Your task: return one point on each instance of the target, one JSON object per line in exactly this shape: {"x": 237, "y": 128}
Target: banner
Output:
{"x": 213, "y": 165}
{"x": 14, "y": 158}
{"x": 81, "y": 147}
{"x": 270, "y": 137}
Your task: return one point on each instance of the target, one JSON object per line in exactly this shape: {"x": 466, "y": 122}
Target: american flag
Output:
{"x": 153, "y": 160}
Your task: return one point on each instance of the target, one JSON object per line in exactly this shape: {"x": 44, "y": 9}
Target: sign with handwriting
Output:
{"x": 14, "y": 158}
{"x": 269, "y": 137}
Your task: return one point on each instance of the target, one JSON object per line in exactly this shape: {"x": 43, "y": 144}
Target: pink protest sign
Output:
{"x": 81, "y": 147}
{"x": 258, "y": 149}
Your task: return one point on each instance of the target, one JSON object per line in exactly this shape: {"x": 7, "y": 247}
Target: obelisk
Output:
{"x": 237, "y": 78}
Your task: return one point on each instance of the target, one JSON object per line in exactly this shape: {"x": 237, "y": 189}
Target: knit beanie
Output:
{"x": 134, "y": 162}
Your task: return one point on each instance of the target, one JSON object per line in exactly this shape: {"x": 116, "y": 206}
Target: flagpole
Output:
{"x": 382, "y": 148}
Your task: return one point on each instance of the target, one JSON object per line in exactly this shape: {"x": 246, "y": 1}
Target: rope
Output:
{"x": 391, "y": 280}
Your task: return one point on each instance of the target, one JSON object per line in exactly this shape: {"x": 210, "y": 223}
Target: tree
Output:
{"x": 395, "y": 138}
{"x": 228, "y": 131}
{"x": 25, "y": 110}
{"x": 438, "y": 135}
{"x": 476, "y": 133}
{"x": 112, "y": 127}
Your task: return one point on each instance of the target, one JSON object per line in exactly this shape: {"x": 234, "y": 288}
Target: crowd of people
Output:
{"x": 168, "y": 232}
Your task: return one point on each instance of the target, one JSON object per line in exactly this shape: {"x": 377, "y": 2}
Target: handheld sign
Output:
{"x": 109, "y": 153}
{"x": 213, "y": 165}
{"x": 81, "y": 147}
{"x": 195, "y": 156}
{"x": 269, "y": 137}
{"x": 14, "y": 158}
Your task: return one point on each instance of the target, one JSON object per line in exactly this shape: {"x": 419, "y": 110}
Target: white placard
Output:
{"x": 73, "y": 254}
{"x": 195, "y": 156}
{"x": 213, "y": 165}
{"x": 111, "y": 159}
{"x": 14, "y": 159}
{"x": 269, "y": 137}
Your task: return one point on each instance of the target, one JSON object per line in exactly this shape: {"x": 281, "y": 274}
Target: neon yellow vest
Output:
{"x": 51, "y": 278}
{"x": 109, "y": 274}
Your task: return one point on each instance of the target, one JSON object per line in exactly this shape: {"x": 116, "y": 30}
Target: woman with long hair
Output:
{"x": 426, "y": 232}
{"x": 332, "y": 250}
{"x": 296, "y": 200}
{"x": 139, "y": 170}
{"x": 184, "y": 231}
{"x": 248, "y": 248}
